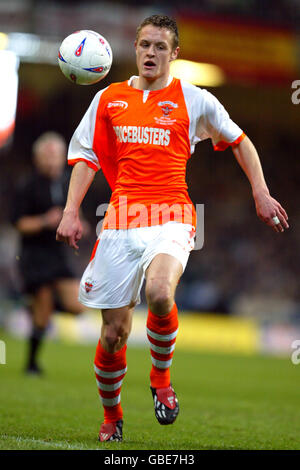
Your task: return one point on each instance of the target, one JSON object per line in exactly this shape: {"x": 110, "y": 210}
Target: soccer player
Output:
{"x": 141, "y": 133}
{"x": 38, "y": 210}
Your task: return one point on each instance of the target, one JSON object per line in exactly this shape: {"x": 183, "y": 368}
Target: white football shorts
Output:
{"x": 115, "y": 275}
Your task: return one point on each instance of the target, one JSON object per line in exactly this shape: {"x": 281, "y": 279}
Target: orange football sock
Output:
{"x": 110, "y": 369}
{"x": 162, "y": 332}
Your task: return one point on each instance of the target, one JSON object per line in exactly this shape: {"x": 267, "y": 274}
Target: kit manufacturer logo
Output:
{"x": 118, "y": 104}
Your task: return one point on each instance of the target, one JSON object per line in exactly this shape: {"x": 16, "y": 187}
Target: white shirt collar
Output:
{"x": 136, "y": 76}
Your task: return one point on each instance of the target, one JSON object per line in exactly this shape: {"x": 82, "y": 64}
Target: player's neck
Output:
{"x": 141, "y": 83}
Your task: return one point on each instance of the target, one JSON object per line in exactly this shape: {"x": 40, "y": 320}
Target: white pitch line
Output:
{"x": 58, "y": 444}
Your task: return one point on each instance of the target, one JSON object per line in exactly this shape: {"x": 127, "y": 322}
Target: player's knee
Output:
{"x": 115, "y": 336}
{"x": 123, "y": 332}
{"x": 110, "y": 341}
{"x": 159, "y": 297}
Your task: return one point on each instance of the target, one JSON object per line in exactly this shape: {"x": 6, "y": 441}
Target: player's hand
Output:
{"x": 70, "y": 229}
{"x": 267, "y": 208}
{"x": 52, "y": 217}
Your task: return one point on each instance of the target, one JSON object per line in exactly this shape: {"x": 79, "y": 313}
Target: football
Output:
{"x": 85, "y": 57}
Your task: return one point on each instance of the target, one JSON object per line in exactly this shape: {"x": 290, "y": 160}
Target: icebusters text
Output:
{"x": 145, "y": 135}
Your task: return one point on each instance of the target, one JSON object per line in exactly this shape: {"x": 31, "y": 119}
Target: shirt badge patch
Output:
{"x": 88, "y": 285}
{"x": 167, "y": 108}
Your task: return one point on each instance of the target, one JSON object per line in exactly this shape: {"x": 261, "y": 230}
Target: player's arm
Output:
{"x": 70, "y": 227}
{"x": 214, "y": 122}
{"x": 266, "y": 206}
{"x": 85, "y": 164}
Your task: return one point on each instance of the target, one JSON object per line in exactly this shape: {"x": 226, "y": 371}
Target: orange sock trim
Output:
{"x": 113, "y": 413}
{"x": 161, "y": 332}
{"x": 110, "y": 369}
{"x": 163, "y": 324}
{"x": 159, "y": 378}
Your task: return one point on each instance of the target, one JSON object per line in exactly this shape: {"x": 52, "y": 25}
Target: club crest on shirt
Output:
{"x": 88, "y": 285}
{"x": 167, "y": 108}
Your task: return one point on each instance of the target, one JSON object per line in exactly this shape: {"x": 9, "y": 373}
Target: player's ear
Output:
{"x": 174, "y": 53}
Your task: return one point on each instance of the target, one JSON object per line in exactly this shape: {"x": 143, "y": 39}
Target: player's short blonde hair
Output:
{"x": 161, "y": 21}
{"x": 48, "y": 137}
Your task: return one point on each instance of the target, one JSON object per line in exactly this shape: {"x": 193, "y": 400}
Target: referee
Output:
{"x": 44, "y": 268}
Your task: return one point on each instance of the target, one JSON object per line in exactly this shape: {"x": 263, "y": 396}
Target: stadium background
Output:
{"x": 244, "y": 270}
{"x": 239, "y": 294}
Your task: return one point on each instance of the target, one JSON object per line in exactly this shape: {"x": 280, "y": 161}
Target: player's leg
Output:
{"x": 162, "y": 277}
{"x": 116, "y": 327}
{"x": 67, "y": 290}
{"x": 111, "y": 283}
{"x": 110, "y": 368}
{"x": 41, "y": 307}
{"x": 164, "y": 261}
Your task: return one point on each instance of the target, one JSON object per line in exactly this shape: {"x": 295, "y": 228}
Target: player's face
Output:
{"x": 154, "y": 52}
{"x": 50, "y": 159}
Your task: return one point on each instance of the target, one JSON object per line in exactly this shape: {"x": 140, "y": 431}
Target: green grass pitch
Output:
{"x": 226, "y": 402}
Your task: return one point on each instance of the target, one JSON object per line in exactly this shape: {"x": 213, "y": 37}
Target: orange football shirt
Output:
{"x": 142, "y": 140}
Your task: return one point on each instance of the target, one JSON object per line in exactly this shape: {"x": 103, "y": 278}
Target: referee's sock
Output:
{"x": 110, "y": 369}
{"x": 35, "y": 340}
{"x": 162, "y": 332}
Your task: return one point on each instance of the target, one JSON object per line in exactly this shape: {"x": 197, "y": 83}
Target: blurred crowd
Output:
{"x": 37, "y": 15}
{"x": 274, "y": 12}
